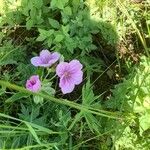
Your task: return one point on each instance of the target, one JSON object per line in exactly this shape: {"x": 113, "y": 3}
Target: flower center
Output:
{"x": 33, "y": 82}
{"x": 67, "y": 74}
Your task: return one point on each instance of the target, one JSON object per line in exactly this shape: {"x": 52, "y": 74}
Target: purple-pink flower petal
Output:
{"x": 70, "y": 75}
{"x": 46, "y": 59}
{"x": 75, "y": 65}
{"x": 61, "y": 68}
{"x": 33, "y": 84}
{"x": 54, "y": 57}
{"x": 45, "y": 56}
{"x": 44, "y": 53}
{"x": 36, "y": 61}
{"x": 66, "y": 85}
{"x": 77, "y": 77}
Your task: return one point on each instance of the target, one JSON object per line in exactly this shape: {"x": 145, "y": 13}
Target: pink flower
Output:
{"x": 33, "y": 84}
{"x": 70, "y": 75}
{"x": 46, "y": 59}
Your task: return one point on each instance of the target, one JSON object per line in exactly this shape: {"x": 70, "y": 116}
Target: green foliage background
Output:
{"x": 111, "y": 109}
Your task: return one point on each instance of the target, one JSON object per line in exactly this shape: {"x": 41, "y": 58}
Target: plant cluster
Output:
{"x": 57, "y": 99}
{"x": 132, "y": 97}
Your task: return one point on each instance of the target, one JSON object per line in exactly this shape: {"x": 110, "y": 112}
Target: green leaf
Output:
{"x": 41, "y": 128}
{"x": 41, "y": 38}
{"x": 46, "y": 87}
{"x": 6, "y": 62}
{"x": 29, "y": 24}
{"x": 2, "y": 91}
{"x": 59, "y": 3}
{"x": 59, "y": 38}
{"x": 39, "y": 20}
{"x": 65, "y": 29}
{"x": 92, "y": 122}
{"x": 38, "y": 99}
{"x": 33, "y": 132}
{"x": 87, "y": 94}
{"x": 76, "y": 4}
{"x": 49, "y": 42}
{"x": 33, "y": 13}
{"x": 6, "y": 57}
{"x": 44, "y": 34}
{"x": 25, "y": 11}
{"x": 54, "y": 23}
{"x": 77, "y": 118}
{"x": 38, "y": 3}
{"x": 16, "y": 96}
{"x": 144, "y": 122}
{"x": 67, "y": 10}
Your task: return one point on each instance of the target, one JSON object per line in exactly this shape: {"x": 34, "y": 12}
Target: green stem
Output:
{"x": 49, "y": 71}
{"x": 60, "y": 101}
{"x": 52, "y": 77}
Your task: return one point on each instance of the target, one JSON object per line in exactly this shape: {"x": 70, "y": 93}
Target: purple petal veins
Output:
{"x": 33, "y": 84}
{"x": 70, "y": 74}
{"x": 45, "y": 59}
